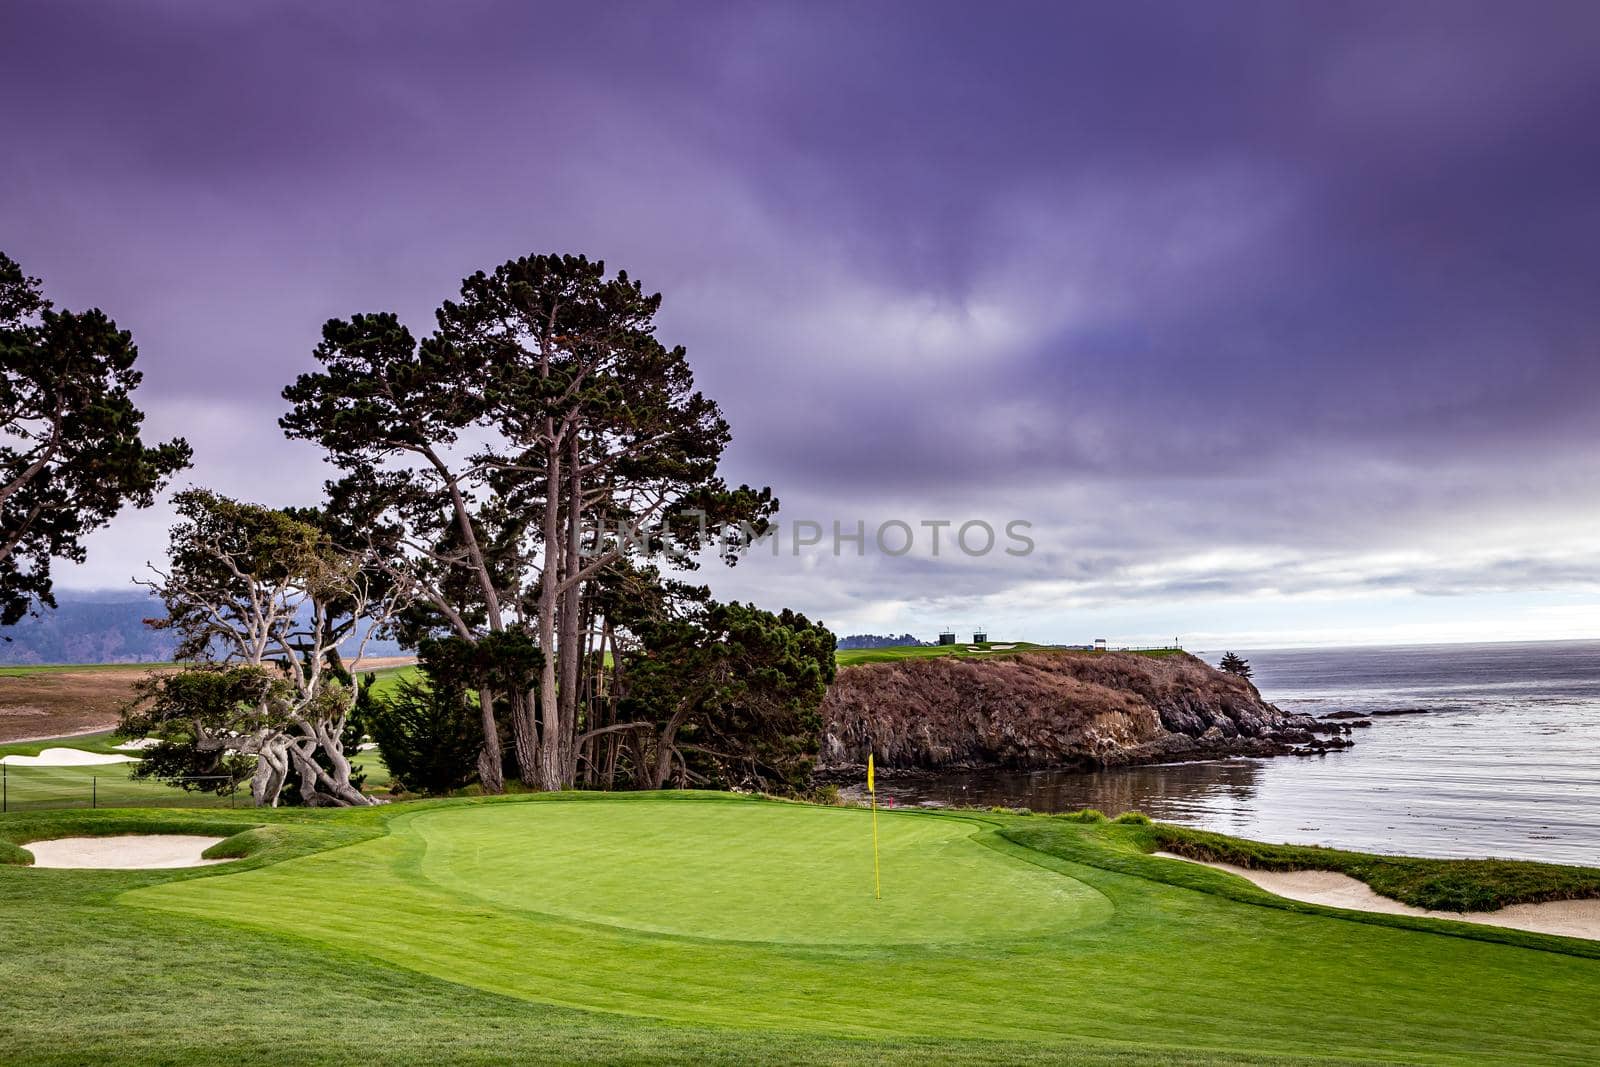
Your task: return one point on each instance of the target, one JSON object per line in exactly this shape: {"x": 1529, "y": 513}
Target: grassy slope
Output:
{"x": 1154, "y": 967}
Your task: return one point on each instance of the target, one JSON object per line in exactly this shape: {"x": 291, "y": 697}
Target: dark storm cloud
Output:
{"x": 1309, "y": 281}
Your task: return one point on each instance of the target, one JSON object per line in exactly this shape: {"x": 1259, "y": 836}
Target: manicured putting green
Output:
{"x": 758, "y": 916}
{"x": 775, "y": 873}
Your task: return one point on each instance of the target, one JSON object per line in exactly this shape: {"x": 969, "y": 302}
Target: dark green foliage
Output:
{"x": 734, "y": 694}
{"x": 428, "y": 736}
{"x": 1132, "y": 818}
{"x": 1087, "y": 815}
{"x": 502, "y": 660}
{"x": 1232, "y": 663}
{"x": 72, "y": 456}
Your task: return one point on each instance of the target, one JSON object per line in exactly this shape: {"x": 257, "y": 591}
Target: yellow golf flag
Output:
{"x": 872, "y": 796}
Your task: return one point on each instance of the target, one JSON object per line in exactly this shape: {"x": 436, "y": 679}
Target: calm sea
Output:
{"x": 1505, "y": 762}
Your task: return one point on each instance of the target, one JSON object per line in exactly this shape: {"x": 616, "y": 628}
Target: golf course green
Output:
{"x": 712, "y": 928}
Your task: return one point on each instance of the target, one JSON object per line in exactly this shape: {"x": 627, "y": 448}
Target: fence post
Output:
{"x": 94, "y": 791}
{"x": 5, "y": 788}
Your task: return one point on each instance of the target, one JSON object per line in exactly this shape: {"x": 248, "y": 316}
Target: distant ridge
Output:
{"x": 103, "y": 626}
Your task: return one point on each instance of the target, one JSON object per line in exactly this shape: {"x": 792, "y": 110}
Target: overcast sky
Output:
{"x": 1280, "y": 322}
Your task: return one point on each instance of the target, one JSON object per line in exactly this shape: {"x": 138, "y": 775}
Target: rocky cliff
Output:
{"x": 1053, "y": 709}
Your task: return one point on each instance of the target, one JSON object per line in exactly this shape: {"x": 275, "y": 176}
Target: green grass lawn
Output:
{"x": 707, "y": 928}
{"x": 385, "y": 681}
{"x": 105, "y": 785}
{"x": 35, "y": 788}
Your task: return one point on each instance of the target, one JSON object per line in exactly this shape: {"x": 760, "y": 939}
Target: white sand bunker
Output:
{"x": 66, "y": 757}
{"x": 135, "y": 852}
{"x": 137, "y": 745}
{"x": 1568, "y": 918}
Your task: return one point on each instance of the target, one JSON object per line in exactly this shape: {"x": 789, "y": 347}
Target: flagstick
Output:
{"x": 872, "y": 794}
{"x": 877, "y": 887}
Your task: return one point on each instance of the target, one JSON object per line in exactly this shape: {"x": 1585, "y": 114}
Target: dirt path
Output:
{"x": 68, "y": 703}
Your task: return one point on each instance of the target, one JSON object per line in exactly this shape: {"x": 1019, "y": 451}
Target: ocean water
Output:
{"x": 1504, "y": 761}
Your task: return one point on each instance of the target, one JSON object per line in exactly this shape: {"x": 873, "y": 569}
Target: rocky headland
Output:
{"x": 1055, "y": 709}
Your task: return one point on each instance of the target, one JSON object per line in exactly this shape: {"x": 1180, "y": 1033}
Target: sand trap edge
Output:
{"x": 125, "y": 852}
{"x": 1332, "y": 889}
{"x": 67, "y": 757}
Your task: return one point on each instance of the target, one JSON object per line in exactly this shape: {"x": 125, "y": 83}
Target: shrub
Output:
{"x": 429, "y": 738}
{"x": 1089, "y": 815}
{"x": 1132, "y": 818}
{"x": 822, "y": 794}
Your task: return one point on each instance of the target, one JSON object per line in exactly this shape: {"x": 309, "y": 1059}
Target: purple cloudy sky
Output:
{"x": 1281, "y": 322}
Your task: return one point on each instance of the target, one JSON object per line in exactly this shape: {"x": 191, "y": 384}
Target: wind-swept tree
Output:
{"x": 215, "y": 726}
{"x": 1233, "y": 663}
{"x": 497, "y": 460}
{"x": 263, "y": 602}
{"x": 70, "y": 452}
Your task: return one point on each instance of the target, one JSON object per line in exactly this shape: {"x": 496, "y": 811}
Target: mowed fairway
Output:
{"x": 733, "y": 913}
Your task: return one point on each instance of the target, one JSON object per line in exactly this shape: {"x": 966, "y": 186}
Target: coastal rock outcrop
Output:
{"x": 1051, "y": 709}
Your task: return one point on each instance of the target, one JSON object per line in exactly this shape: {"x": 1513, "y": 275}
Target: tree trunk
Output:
{"x": 666, "y": 747}
{"x": 489, "y": 773}
{"x": 320, "y": 787}
{"x": 524, "y": 734}
{"x": 569, "y": 647}
{"x": 267, "y": 784}
{"x": 547, "y": 773}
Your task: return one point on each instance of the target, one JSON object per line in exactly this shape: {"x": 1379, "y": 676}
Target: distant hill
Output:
{"x": 876, "y": 641}
{"x": 102, "y": 627}
{"x": 98, "y": 627}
